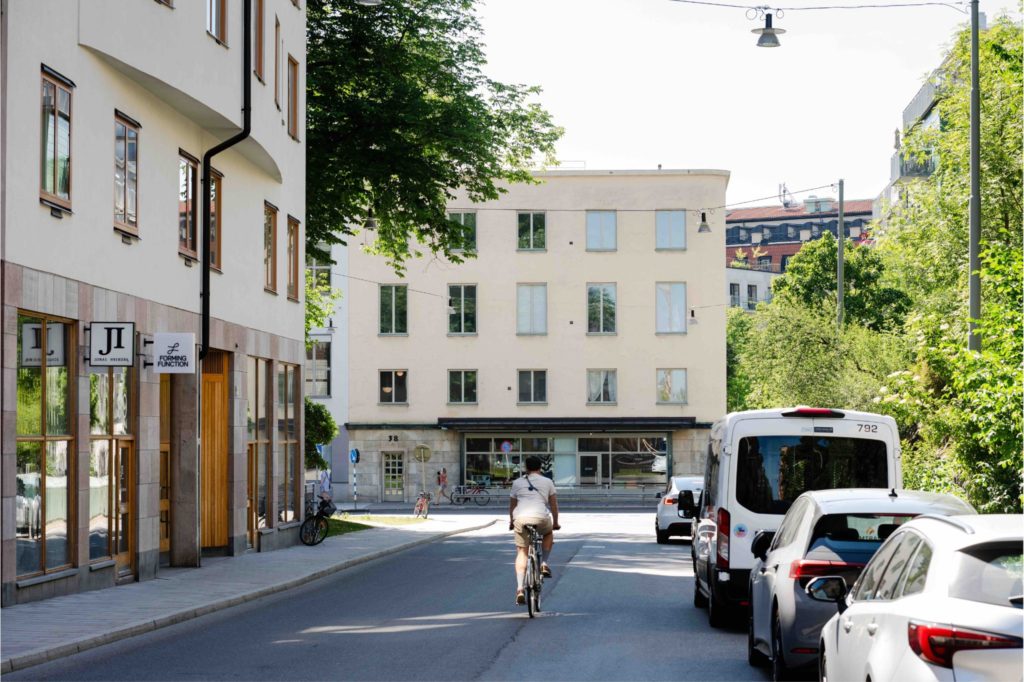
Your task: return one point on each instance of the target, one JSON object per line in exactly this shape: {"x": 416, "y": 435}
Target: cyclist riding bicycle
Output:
{"x": 532, "y": 502}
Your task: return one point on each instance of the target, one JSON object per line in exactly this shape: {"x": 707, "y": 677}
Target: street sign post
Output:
{"x": 353, "y": 456}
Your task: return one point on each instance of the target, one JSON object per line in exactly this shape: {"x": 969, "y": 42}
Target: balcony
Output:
{"x": 921, "y": 105}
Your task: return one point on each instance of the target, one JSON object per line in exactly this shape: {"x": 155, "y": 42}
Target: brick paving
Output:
{"x": 42, "y": 631}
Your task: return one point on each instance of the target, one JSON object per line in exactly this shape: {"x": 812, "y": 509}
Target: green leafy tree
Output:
{"x": 961, "y": 412}
{"x": 737, "y": 338}
{"x": 320, "y": 430}
{"x": 810, "y": 279}
{"x": 399, "y": 113}
{"x": 320, "y": 301}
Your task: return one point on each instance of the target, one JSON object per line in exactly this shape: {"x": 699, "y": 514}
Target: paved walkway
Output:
{"x": 37, "y": 632}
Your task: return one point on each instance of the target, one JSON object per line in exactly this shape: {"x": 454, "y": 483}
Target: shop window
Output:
{"x": 111, "y": 462}
{"x": 45, "y": 449}
{"x": 286, "y": 454}
{"x": 55, "y": 157}
{"x": 258, "y": 399}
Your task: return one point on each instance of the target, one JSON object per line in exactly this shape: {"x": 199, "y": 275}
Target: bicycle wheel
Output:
{"x": 322, "y": 529}
{"x": 459, "y": 498}
{"x": 530, "y": 587}
{"x": 418, "y": 509}
{"x": 308, "y": 531}
{"x": 426, "y": 508}
{"x": 481, "y": 497}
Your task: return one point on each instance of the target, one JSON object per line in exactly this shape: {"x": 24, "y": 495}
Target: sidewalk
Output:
{"x": 42, "y": 631}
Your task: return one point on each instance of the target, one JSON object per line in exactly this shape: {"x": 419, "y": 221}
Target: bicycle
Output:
{"x": 462, "y": 494}
{"x": 314, "y": 529}
{"x": 534, "y": 577}
{"x": 422, "y": 507}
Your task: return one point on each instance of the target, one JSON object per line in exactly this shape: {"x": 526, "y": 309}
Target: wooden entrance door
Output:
{"x": 165, "y": 463}
{"x": 123, "y": 494}
{"x": 213, "y": 504}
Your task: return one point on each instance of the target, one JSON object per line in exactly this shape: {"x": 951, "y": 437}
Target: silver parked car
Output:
{"x": 671, "y": 518}
{"x": 941, "y": 600}
{"x": 825, "y": 532}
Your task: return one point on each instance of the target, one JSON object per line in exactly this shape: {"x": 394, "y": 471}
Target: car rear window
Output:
{"x": 857, "y": 527}
{"x": 990, "y": 574}
{"x": 772, "y": 471}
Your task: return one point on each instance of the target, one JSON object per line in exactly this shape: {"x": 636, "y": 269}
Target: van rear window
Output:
{"x": 772, "y": 471}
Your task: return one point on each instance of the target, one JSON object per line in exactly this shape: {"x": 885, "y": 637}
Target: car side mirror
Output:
{"x": 762, "y": 541}
{"x": 828, "y": 588}
{"x": 686, "y": 503}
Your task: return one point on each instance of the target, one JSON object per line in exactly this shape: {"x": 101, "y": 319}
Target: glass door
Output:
{"x": 124, "y": 467}
{"x": 393, "y": 489}
{"x": 165, "y": 464}
{"x": 590, "y": 470}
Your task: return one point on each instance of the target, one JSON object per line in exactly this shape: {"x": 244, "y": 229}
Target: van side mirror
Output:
{"x": 828, "y": 588}
{"x": 658, "y": 496}
{"x": 762, "y": 541}
{"x": 686, "y": 503}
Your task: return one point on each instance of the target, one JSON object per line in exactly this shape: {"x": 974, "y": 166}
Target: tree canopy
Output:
{"x": 399, "y": 114}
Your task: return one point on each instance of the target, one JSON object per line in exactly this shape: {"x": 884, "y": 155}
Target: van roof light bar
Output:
{"x": 814, "y": 412}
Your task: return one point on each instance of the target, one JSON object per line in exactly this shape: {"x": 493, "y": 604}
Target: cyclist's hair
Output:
{"x": 533, "y": 463}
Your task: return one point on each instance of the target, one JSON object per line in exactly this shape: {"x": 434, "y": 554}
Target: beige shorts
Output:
{"x": 543, "y": 523}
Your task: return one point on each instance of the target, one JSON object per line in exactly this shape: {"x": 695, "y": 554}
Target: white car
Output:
{"x": 940, "y": 600}
{"x": 670, "y": 518}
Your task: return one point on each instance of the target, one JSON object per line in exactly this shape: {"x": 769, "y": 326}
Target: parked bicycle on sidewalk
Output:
{"x": 314, "y": 529}
{"x": 462, "y": 494}
{"x": 422, "y": 507}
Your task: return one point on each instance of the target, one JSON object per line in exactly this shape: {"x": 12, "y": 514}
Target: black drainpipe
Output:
{"x": 207, "y": 158}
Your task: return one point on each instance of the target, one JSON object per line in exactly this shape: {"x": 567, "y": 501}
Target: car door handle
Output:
{"x": 872, "y": 628}
{"x": 847, "y": 624}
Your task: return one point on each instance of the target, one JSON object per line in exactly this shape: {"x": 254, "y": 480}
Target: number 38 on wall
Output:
{"x": 392, "y": 439}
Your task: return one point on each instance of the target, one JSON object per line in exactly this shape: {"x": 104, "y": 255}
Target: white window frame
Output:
{"x": 395, "y": 374}
{"x": 597, "y": 227}
{"x": 664, "y": 226}
{"x": 751, "y": 302}
{"x": 394, "y": 308}
{"x": 614, "y": 398}
{"x": 324, "y": 359}
{"x": 658, "y": 288}
{"x": 476, "y": 387}
{"x": 615, "y": 295}
{"x": 533, "y": 386}
{"x": 529, "y": 288}
{"x": 658, "y": 382}
{"x": 734, "y": 299}
{"x": 532, "y": 215}
{"x": 461, "y": 308}
{"x": 460, "y": 218}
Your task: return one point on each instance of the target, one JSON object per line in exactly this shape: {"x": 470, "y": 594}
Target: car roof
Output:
{"x": 964, "y": 530}
{"x": 688, "y": 482}
{"x": 882, "y": 501}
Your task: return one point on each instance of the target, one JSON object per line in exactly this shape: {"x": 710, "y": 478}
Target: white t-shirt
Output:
{"x": 532, "y": 502}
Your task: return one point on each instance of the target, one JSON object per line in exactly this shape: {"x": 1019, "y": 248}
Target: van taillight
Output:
{"x": 936, "y": 644}
{"x": 814, "y": 412}
{"x": 722, "y": 541}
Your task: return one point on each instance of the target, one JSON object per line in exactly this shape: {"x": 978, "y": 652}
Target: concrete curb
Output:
{"x": 44, "y": 655}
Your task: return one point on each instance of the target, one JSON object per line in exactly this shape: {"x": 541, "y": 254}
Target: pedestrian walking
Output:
{"x": 442, "y": 484}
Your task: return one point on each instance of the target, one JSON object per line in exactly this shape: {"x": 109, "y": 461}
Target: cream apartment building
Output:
{"x": 112, "y": 467}
{"x": 589, "y": 329}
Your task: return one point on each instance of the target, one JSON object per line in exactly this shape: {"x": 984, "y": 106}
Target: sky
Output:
{"x": 637, "y": 83}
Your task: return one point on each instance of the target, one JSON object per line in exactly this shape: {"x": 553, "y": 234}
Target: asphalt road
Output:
{"x": 619, "y": 607}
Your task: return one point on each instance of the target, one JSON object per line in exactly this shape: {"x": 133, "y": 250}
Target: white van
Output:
{"x": 758, "y": 463}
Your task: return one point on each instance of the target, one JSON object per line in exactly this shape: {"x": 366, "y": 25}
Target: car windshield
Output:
{"x": 772, "y": 471}
{"x": 990, "y": 574}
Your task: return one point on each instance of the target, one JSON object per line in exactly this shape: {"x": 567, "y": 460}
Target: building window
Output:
{"x": 393, "y": 386}
{"x": 394, "y": 309}
{"x": 258, "y": 27}
{"x": 601, "y": 231}
{"x": 188, "y": 211}
{"x": 764, "y": 263}
{"x": 672, "y": 386}
{"x": 45, "y": 450}
{"x": 318, "y": 369}
{"x": 55, "y": 159}
{"x": 258, "y": 419}
{"x": 293, "y": 259}
{"x": 462, "y": 309}
{"x": 319, "y": 271}
{"x": 734, "y": 294}
{"x": 671, "y": 307}
{"x": 216, "y": 15}
{"x": 468, "y": 223}
{"x": 751, "y": 296}
{"x": 670, "y": 229}
{"x": 269, "y": 247}
{"x": 601, "y": 386}
{"x": 601, "y": 308}
{"x": 533, "y": 386}
{"x": 785, "y": 263}
{"x": 286, "y": 455}
{"x": 126, "y": 174}
{"x": 293, "y": 98}
{"x": 532, "y": 232}
{"x": 277, "y": 62}
{"x": 215, "y": 219}
{"x": 531, "y": 308}
{"x": 111, "y": 457}
{"x": 462, "y": 386}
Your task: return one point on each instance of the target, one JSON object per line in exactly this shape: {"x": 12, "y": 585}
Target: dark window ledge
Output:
{"x": 48, "y": 577}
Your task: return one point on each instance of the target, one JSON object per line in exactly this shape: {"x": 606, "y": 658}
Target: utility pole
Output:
{"x": 841, "y": 238}
{"x": 974, "y": 261}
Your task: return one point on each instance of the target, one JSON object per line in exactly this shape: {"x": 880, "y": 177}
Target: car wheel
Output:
{"x": 717, "y": 616}
{"x": 699, "y": 600}
{"x": 754, "y": 657}
{"x": 662, "y": 536}
{"x": 780, "y": 671}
